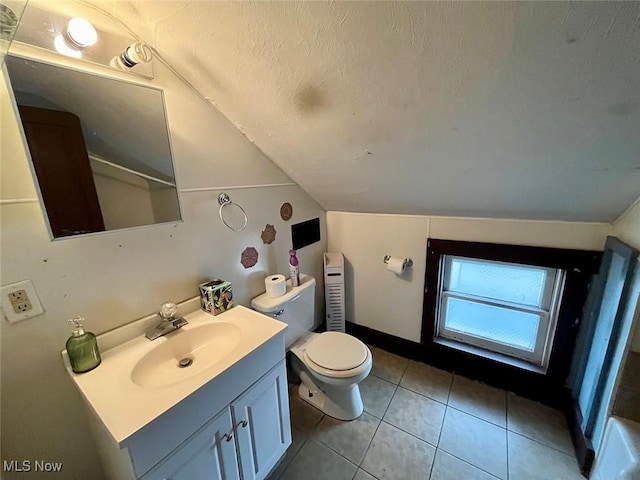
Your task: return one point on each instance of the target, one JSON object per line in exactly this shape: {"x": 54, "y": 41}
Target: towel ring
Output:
{"x": 224, "y": 201}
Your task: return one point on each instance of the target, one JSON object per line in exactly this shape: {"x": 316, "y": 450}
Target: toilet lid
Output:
{"x": 337, "y": 351}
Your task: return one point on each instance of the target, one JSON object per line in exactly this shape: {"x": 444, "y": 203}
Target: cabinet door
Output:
{"x": 263, "y": 428}
{"x": 209, "y": 455}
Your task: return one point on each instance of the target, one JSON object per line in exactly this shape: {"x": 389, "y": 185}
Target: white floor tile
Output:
{"x": 317, "y": 462}
{"x": 530, "y": 460}
{"x": 362, "y": 475}
{"x": 538, "y": 422}
{"x": 475, "y": 441}
{"x": 349, "y": 439}
{"x": 387, "y": 366}
{"x": 376, "y": 394}
{"x": 416, "y": 414}
{"x": 470, "y": 435}
{"x": 426, "y": 380}
{"x": 396, "y": 455}
{"x": 480, "y": 400}
{"x": 448, "y": 467}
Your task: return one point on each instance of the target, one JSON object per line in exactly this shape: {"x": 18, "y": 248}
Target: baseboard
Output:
{"x": 385, "y": 341}
{"x": 532, "y": 385}
{"x": 584, "y": 451}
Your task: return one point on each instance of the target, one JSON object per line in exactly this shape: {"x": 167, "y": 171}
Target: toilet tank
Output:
{"x": 295, "y": 308}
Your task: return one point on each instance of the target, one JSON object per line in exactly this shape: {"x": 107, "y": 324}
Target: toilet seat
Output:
{"x": 337, "y": 355}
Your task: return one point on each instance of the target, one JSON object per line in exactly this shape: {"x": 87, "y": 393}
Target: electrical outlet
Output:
{"x": 21, "y": 307}
{"x": 18, "y": 296}
{"x": 19, "y": 301}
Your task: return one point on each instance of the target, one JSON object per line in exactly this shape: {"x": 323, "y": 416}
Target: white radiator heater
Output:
{"x": 334, "y": 291}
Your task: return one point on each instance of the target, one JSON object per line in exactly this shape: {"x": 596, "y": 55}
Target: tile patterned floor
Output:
{"x": 423, "y": 423}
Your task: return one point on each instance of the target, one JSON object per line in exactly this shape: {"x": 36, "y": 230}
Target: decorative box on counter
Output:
{"x": 216, "y": 296}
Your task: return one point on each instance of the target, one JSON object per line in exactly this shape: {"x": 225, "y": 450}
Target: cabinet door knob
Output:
{"x": 243, "y": 423}
{"x": 228, "y": 436}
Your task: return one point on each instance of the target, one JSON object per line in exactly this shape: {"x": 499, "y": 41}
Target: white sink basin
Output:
{"x": 140, "y": 379}
{"x": 186, "y": 353}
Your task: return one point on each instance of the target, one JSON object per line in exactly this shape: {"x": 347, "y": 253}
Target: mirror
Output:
{"x": 100, "y": 148}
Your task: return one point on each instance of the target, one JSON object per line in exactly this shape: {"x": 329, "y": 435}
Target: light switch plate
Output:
{"x": 20, "y": 301}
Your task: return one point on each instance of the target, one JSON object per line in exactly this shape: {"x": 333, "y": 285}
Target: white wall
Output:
{"x": 164, "y": 201}
{"x": 116, "y": 277}
{"x": 117, "y": 191}
{"x": 627, "y": 229}
{"x": 380, "y": 300}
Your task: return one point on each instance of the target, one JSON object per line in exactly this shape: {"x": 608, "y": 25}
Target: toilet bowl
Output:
{"x": 330, "y": 364}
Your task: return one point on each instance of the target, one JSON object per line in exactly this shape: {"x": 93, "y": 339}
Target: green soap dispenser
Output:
{"x": 82, "y": 348}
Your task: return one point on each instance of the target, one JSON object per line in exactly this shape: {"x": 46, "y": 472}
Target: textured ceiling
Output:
{"x": 506, "y": 109}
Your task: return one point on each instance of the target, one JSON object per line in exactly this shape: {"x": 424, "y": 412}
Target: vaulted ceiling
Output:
{"x": 505, "y": 109}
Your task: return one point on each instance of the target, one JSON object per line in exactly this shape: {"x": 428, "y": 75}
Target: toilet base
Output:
{"x": 344, "y": 403}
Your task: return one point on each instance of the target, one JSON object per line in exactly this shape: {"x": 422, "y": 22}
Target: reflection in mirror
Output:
{"x": 99, "y": 146}
{"x": 10, "y": 13}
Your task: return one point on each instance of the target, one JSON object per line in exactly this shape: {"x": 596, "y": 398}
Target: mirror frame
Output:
{"x": 35, "y": 54}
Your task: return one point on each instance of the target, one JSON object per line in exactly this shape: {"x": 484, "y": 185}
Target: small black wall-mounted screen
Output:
{"x": 305, "y": 233}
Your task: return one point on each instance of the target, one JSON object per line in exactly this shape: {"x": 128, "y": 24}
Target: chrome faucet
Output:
{"x": 169, "y": 322}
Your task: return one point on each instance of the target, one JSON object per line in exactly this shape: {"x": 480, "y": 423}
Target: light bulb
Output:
{"x": 62, "y": 47}
{"x": 81, "y": 33}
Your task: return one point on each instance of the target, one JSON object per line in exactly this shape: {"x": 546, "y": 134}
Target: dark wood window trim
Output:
{"x": 580, "y": 266}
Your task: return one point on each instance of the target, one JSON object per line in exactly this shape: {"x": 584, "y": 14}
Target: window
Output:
{"x": 507, "y": 315}
{"x": 507, "y": 308}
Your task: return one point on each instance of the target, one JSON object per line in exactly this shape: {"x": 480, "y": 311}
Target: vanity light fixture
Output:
{"x": 63, "y": 48}
{"x": 92, "y": 36}
{"x": 79, "y": 34}
{"x": 131, "y": 56}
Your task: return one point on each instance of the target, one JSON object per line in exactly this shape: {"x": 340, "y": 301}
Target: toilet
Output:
{"x": 330, "y": 364}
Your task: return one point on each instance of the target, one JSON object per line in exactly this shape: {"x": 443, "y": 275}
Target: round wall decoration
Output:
{"x": 268, "y": 234}
{"x": 249, "y": 257}
{"x": 286, "y": 211}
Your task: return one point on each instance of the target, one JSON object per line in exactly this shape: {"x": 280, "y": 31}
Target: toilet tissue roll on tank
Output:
{"x": 396, "y": 265}
{"x": 275, "y": 285}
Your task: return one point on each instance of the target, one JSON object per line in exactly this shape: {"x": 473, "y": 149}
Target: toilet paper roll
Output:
{"x": 275, "y": 285}
{"x": 396, "y": 265}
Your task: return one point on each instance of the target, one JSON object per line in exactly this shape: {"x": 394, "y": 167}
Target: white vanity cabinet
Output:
{"x": 244, "y": 441}
{"x": 263, "y": 428}
{"x": 210, "y": 454}
{"x": 225, "y": 419}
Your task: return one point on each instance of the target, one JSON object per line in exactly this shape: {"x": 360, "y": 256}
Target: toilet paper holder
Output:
{"x": 407, "y": 261}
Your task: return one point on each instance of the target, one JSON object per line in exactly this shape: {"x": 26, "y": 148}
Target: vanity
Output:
{"x": 224, "y": 416}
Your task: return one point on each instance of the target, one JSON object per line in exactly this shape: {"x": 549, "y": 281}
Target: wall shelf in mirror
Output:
{"x": 119, "y": 139}
{"x": 95, "y": 158}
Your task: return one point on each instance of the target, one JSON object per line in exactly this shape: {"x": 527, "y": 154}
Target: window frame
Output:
{"x": 519, "y": 377}
{"x": 547, "y": 312}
